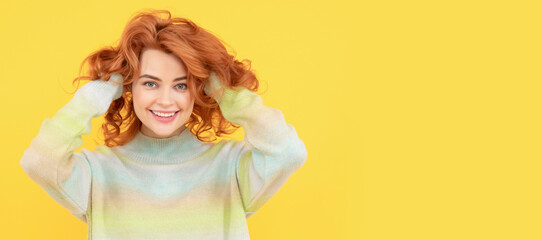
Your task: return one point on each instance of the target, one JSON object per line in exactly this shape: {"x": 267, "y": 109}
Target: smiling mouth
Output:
{"x": 163, "y": 115}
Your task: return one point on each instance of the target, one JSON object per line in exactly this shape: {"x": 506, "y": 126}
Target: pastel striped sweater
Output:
{"x": 169, "y": 188}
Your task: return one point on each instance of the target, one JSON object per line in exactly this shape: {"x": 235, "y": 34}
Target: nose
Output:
{"x": 165, "y": 97}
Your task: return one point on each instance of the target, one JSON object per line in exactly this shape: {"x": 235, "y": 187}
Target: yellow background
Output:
{"x": 421, "y": 118}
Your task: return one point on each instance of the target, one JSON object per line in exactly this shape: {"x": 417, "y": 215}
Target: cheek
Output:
{"x": 189, "y": 101}
{"x": 140, "y": 100}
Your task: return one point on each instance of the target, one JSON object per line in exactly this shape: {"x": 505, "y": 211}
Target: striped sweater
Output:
{"x": 164, "y": 188}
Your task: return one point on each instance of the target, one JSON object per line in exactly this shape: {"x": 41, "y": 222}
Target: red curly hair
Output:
{"x": 200, "y": 51}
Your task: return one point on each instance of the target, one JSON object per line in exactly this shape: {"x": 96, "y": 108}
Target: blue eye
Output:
{"x": 147, "y": 84}
{"x": 185, "y": 86}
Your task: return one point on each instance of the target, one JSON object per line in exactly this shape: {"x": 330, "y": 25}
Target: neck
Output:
{"x": 170, "y": 150}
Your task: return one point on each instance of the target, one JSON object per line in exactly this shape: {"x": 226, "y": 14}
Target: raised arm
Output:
{"x": 273, "y": 151}
{"x": 50, "y": 160}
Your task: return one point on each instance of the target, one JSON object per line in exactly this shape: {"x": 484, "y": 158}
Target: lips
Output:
{"x": 164, "y": 111}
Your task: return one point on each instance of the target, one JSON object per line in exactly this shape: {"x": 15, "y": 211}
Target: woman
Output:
{"x": 170, "y": 87}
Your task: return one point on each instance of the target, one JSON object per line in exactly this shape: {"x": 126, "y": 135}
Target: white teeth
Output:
{"x": 163, "y": 114}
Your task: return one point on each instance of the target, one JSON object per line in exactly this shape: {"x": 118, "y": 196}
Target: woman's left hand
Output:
{"x": 212, "y": 86}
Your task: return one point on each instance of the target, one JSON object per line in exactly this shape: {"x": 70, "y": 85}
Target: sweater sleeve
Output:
{"x": 272, "y": 150}
{"x": 50, "y": 160}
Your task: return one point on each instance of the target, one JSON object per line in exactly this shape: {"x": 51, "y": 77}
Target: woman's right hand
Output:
{"x": 100, "y": 93}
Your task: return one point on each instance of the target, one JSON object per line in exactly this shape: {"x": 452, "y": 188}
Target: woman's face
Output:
{"x": 161, "y": 98}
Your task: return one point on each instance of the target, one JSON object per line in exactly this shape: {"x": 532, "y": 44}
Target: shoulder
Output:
{"x": 98, "y": 150}
{"x": 230, "y": 147}
{"x": 100, "y": 153}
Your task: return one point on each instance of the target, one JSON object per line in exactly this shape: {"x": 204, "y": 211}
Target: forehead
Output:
{"x": 161, "y": 64}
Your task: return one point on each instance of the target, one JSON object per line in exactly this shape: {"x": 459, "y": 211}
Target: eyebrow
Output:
{"x": 157, "y": 79}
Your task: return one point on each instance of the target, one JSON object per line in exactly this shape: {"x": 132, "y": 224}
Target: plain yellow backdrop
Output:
{"x": 421, "y": 118}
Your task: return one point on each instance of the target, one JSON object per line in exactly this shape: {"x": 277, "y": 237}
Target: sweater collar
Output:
{"x": 175, "y": 149}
